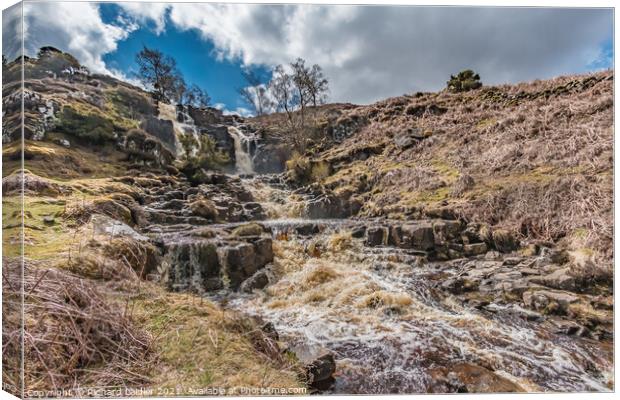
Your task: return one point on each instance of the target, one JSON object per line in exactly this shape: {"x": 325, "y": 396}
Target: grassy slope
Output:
{"x": 533, "y": 158}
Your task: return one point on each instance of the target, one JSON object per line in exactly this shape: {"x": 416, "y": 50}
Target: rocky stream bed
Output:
{"x": 379, "y": 306}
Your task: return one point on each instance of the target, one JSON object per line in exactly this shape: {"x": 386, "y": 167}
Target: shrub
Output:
{"x": 464, "y": 81}
{"x": 319, "y": 171}
{"x": 91, "y": 127}
{"x": 200, "y": 156}
{"x": 298, "y": 167}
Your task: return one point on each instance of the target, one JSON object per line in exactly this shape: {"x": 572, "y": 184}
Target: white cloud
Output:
{"x": 367, "y": 52}
{"x": 74, "y": 27}
{"x": 146, "y": 11}
{"x": 12, "y": 31}
{"x": 241, "y": 111}
{"x": 373, "y": 52}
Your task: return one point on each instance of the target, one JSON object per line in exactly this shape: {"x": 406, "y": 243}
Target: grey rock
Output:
{"x": 104, "y": 225}
{"x": 319, "y": 362}
{"x": 551, "y": 301}
{"x": 257, "y": 281}
{"x": 560, "y": 279}
{"x": 475, "y": 249}
{"x": 418, "y": 236}
{"x": 375, "y": 236}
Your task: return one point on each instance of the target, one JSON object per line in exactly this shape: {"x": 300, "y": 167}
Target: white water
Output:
{"x": 169, "y": 112}
{"x": 243, "y": 159}
{"x": 378, "y": 311}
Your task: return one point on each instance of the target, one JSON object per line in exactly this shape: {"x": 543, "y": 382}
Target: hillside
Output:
{"x": 534, "y": 160}
{"x": 429, "y": 243}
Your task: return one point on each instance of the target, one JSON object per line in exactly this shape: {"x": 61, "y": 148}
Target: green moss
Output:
{"x": 446, "y": 171}
{"x": 91, "y": 127}
{"x": 42, "y": 242}
{"x": 251, "y": 229}
{"x": 127, "y": 103}
{"x": 483, "y": 123}
{"x": 424, "y": 197}
{"x": 581, "y": 233}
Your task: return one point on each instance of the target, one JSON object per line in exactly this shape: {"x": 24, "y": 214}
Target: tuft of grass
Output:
{"x": 340, "y": 241}
{"x": 382, "y": 298}
{"x": 251, "y": 229}
{"x": 200, "y": 344}
{"x": 319, "y": 171}
{"x": 319, "y": 274}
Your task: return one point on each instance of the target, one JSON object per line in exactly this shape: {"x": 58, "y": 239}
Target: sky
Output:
{"x": 367, "y": 52}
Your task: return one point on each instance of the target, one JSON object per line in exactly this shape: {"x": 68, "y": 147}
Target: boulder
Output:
{"x": 204, "y": 208}
{"x": 375, "y": 236}
{"x": 192, "y": 266}
{"x": 477, "y": 379}
{"x": 257, "y": 281}
{"x": 263, "y": 248}
{"x": 104, "y": 225}
{"x": 556, "y": 302}
{"x": 239, "y": 263}
{"x": 319, "y": 362}
{"x": 242, "y": 260}
{"x": 307, "y": 229}
{"x": 358, "y": 231}
{"x": 475, "y": 249}
{"x": 559, "y": 279}
{"x": 418, "y": 236}
{"x": 161, "y": 129}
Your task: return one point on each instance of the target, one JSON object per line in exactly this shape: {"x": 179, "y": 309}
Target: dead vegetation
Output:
{"x": 72, "y": 333}
{"x": 534, "y": 159}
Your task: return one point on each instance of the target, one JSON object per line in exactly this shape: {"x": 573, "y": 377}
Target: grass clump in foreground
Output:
{"x": 200, "y": 345}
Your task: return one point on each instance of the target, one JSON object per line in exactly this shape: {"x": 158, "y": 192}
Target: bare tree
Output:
{"x": 300, "y": 78}
{"x": 294, "y": 92}
{"x": 159, "y": 72}
{"x": 197, "y": 97}
{"x": 282, "y": 89}
{"x": 255, "y": 93}
{"x": 318, "y": 86}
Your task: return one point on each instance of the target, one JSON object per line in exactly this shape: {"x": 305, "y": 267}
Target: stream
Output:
{"x": 391, "y": 330}
{"x": 384, "y": 312}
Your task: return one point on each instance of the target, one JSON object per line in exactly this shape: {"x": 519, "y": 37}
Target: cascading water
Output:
{"x": 243, "y": 159}
{"x": 381, "y": 311}
{"x": 391, "y": 330}
{"x": 182, "y": 123}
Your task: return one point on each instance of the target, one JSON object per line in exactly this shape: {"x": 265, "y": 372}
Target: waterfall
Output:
{"x": 243, "y": 159}
{"x": 182, "y": 123}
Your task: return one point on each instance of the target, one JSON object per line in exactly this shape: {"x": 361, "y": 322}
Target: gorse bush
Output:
{"x": 464, "y": 81}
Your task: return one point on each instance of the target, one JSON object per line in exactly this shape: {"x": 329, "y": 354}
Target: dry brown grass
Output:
{"x": 72, "y": 334}
{"x": 534, "y": 159}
